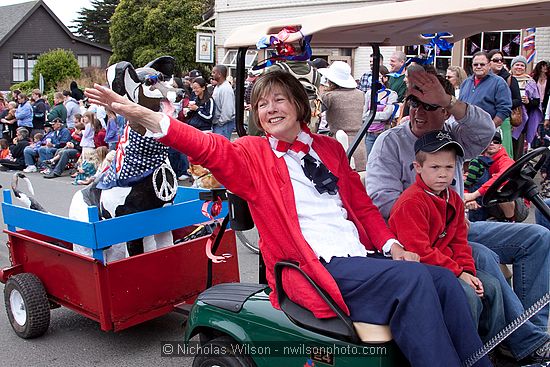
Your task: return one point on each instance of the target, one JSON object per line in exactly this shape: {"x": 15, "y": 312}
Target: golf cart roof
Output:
{"x": 402, "y": 23}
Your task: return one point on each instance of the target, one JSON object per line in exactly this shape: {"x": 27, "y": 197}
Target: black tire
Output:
{"x": 27, "y": 305}
{"x": 227, "y": 359}
{"x": 249, "y": 239}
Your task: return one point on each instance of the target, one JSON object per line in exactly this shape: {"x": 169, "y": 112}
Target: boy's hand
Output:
{"x": 473, "y": 282}
{"x": 472, "y": 205}
{"x": 399, "y": 253}
{"x": 471, "y": 196}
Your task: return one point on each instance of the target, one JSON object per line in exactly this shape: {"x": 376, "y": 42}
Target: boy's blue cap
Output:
{"x": 435, "y": 140}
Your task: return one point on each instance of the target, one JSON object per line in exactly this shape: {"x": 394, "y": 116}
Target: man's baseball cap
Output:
{"x": 435, "y": 140}
{"x": 497, "y": 138}
{"x": 194, "y": 74}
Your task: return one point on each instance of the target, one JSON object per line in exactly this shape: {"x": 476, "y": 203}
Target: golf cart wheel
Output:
{"x": 27, "y": 305}
{"x": 228, "y": 358}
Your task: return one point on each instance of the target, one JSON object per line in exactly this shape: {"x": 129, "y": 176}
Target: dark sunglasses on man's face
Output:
{"x": 496, "y": 60}
{"x": 415, "y": 103}
{"x": 479, "y": 65}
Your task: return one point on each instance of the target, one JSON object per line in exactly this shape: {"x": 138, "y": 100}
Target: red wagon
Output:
{"x": 45, "y": 273}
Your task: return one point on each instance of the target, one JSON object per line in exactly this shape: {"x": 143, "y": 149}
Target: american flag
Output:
{"x": 529, "y": 44}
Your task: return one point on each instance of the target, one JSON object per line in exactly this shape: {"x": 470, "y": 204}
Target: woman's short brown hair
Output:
{"x": 292, "y": 88}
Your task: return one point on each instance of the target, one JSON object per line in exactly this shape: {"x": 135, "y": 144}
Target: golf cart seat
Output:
{"x": 339, "y": 327}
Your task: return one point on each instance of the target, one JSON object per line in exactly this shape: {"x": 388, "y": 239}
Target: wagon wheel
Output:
{"x": 249, "y": 239}
{"x": 27, "y": 305}
{"x": 228, "y": 358}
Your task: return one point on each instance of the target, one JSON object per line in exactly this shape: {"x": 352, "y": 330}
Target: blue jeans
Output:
{"x": 488, "y": 311}
{"x": 46, "y": 153}
{"x": 64, "y": 157}
{"x": 178, "y": 161}
{"x": 369, "y": 141}
{"x": 30, "y": 156}
{"x": 225, "y": 130}
{"x": 541, "y": 219}
{"x": 526, "y": 246}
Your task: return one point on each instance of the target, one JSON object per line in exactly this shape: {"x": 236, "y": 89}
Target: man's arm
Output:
{"x": 227, "y": 105}
{"x": 474, "y": 131}
{"x": 503, "y": 101}
{"x": 384, "y": 179}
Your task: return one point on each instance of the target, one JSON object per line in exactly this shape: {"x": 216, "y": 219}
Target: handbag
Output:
{"x": 516, "y": 117}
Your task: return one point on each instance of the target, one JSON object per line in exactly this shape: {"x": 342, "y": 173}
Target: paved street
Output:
{"x": 73, "y": 340}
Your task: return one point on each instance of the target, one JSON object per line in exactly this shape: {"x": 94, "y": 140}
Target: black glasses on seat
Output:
{"x": 414, "y": 102}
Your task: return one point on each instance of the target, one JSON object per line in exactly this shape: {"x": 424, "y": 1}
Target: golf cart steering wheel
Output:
{"x": 518, "y": 180}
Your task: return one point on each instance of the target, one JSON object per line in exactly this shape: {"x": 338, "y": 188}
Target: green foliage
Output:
{"x": 94, "y": 23}
{"x": 55, "y": 66}
{"x": 25, "y": 87}
{"x": 143, "y": 30}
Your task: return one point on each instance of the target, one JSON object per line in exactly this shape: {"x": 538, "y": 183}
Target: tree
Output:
{"x": 143, "y": 30}
{"x": 94, "y": 23}
{"x": 55, "y": 66}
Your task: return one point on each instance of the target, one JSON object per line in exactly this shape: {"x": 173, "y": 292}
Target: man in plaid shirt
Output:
{"x": 366, "y": 79}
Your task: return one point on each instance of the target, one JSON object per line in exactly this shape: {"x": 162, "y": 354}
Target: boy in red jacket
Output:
{"x": 428, "y": 219}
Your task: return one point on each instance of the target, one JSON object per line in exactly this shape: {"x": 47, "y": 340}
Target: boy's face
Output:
{"x": 438, "y": 170}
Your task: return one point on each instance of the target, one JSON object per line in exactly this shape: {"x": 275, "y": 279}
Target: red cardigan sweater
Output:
{"x": 249, "y": 168}
{"x": 418, "y": 218}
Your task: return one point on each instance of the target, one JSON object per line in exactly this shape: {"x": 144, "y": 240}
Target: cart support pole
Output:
{"x": 373, "y": 102}
{"x": 239, "y": 91}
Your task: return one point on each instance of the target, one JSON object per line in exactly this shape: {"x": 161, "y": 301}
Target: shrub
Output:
{"x": 55, "y": 66}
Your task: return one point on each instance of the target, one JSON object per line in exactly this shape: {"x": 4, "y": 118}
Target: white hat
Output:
{"x": 340, "y": 74}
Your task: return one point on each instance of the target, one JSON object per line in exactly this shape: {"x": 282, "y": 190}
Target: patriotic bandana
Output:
{"x": 314, "y": 169}
{"x": 136, "y": 158}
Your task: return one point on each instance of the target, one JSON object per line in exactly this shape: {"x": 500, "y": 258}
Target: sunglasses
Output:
{"x": 478, "y": 65}
{"x": 496, "y": 60}
{"x": 415, "y": 103}
{"x": 153, "y": 79}
{"x": 496, "y": 142}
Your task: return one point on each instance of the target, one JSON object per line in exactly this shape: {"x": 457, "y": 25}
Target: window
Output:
{"x": 442, "y": 59}
{"x": 506, "y": 41}
{"x": 82, "y": 61}
{"x": 230, "y": 58}
{"x": 31, "y": 61}
{"x": 95, "y": 61}
{"x": 18, "y": 68}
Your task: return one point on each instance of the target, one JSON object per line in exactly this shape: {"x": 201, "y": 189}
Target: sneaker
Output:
{"x": 51, "y": 175}
{"x": 542, "y": 354}
{"x": 183, "y": 178}
{"x": 30, "y": 169}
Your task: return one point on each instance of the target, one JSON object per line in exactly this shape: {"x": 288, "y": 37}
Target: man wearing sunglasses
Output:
{"x": 486, "y": 90}
{"x": 526, "y": 246}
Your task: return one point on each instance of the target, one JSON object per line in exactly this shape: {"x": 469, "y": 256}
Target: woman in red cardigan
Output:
{"x": 310, "y": 207}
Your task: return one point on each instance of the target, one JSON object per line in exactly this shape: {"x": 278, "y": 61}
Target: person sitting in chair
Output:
{"x": 310, "y": 207}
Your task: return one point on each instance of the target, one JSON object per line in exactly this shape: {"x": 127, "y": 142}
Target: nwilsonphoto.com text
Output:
{"x": 275, "y": 349}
